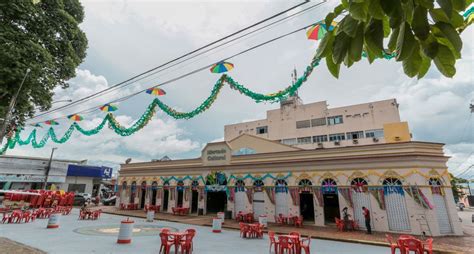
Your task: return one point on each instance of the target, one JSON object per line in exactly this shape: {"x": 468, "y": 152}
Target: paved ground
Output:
{"x": 66, "y": 240}
{"x": 9, "y": 246}
{"x": 456, "y": 244}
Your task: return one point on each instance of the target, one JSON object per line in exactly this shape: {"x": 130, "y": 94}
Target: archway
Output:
{"x": 154, "y": 191}
{"x": 123, "y": 194}
{"x": 281, "y": 197}
{"x": 142, "y": 194}
{"x": 240, "y": 196}
{"x": 331, "y": 200}
{"x": 395, "y": 203}
{"x": 216, "y": 198}
{"x": 166, "y": 195}
{"x": 180, "y": 190}
{"x": 194, "y": 196}
{"x": 133, "y": 192}
{"x": 360, "y": 198}
{"x": 306, "y": 200}
{"x": 441, "y": 210}
{"x": 258, "y": 198}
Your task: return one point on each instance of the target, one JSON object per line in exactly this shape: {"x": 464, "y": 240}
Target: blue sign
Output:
{"x": 90, "y": 171}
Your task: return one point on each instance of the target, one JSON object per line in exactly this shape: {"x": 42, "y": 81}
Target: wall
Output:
{"x": 88, "y": 181}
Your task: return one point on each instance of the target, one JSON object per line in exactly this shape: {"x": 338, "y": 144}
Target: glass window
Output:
{"x": 262, "y": 130}
{"x": 355, "y": 135}
{"x": 303, "y": 124}
{"x": 320, "y": 138}
{"x": 289, "y": 141}
{"x": 374, "y": 133}
{"x": 332, "y": 120}
{"x": 244, "y": 151}
{"x": 318, "y": 122}
{"x": 304, "y": 140}
{"x": 337, "y": 137}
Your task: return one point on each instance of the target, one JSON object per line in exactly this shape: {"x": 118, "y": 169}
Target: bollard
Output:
{"x": 216, "y": 225}
{"x": 262, "y": 219}
{"x": 53, "y": 221}
{"x": 221, "y": 215}
{"x": 126, "y": 230}
{"x": 150, "y": 215}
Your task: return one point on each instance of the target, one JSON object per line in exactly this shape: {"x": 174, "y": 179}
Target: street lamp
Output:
{"x": 48, "y": 168}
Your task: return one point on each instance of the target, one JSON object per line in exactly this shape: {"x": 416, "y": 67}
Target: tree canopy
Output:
{"x": 45, "y": 37}
{"x": 418, "y": 32}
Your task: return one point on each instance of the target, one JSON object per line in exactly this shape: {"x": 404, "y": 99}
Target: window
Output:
{"x": 355, "y": 135}
{"x": 337, "y": 137}
{"x": 244, "y": 151}
{"x": 318, "y": 122}
{"x": 374, "y": 133}
{"x": 332, "y": 120}
{"x": 320, "y": 138}
{"x": 304, "y": 140}
{"x": 289, "y": 141}
{"x": 262, "y": 130}
{"x": 303, "y": 124}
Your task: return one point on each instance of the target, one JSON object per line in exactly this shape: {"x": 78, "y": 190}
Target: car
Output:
{"x": 87, "y": 196}
{"x": 79, "y": 200}
{"x": 109, "y": 201}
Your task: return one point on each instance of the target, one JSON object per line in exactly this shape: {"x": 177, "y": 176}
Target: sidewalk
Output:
{"x": 451, "y": 244}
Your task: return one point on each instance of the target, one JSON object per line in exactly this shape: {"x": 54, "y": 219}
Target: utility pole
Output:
{"x": 48, "y": 168}
{"x": 6, "y": 121}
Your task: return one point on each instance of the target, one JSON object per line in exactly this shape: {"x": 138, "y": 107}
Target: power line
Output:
{"x": 175, "y": 59}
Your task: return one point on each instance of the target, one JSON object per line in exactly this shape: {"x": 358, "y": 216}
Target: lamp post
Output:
{"x": 48, "y": 168}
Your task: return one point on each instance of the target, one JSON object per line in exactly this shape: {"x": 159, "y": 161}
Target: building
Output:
{"x": 314, "y": 125}
{"x": 85, "y": 178}
{"x": 405, "y": 184}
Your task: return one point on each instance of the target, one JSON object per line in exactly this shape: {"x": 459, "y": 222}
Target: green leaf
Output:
{"x": 446, "y": 6}
{"x": 439, "y": 15}
{"x": 349, "y": 26}
{"x": 391, "y": 7}
{"x": 459, "y": 5}
{"x": 405, "y": 42}
{"x": 370, "y": 55}
{"x": 430, "y": 47}
{"x": 373, "y": 36}
{"x": 457, "y": 20}
{"x": 451, "y": 34}
{"x": 375, "y": 9}
{"x": 345, "y": 3}
{"x": 341, "y": 46}
{"x": 329, "y": 18}
{"x": 348, "y": 61}
{"x": 428, "y": 4}
{"x": 339, "y": 9}
{"x": 333, "y": 67}
{"x": 445, "y": 61}
{"x": 357, "y": 44}
{"x": 408, "y": 9}
{"x": 420, "y": 23}
{"x": 386, "y": 27}
{"x": 412, "y": 64}
{"x": 392, "y": 43}
{"x": 424, "y": 66}
{"x": 325, "y": 46}
{"x": 359, "y": 10}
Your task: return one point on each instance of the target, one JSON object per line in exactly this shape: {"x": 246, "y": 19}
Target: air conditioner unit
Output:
{"x": 336, "y": 143}
{"x": 375, "y": 140}
{"x": 355, "y": 141}
{"x": 320, "y": 145}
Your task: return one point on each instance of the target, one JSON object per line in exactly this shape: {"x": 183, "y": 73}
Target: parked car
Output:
{"x": 109, "y": 201}
{"x": 87, "y": 196}
{"x": 79, "y": 200}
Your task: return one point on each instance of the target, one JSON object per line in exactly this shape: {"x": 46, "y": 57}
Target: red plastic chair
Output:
{"x": 278, "y": 220}
{"x": 7, "y": 217}
{"x": 244, "y": 230}
{"x": 174, "y": 210}
{"x": 428, "y": 246}
{"x": 393, "y": 245}
{"x": 298, "y": 221}
{"x": 166, "y": 243}
{"x": 26, "y": 216}
{"x": 273, "y": 242}
{"x": 187, "y": 244}
{"x": 412, "y": 245}
{"x": 305, "y": 245}
{"x": 285, "y": 245}
{"x": 339, "y": 224}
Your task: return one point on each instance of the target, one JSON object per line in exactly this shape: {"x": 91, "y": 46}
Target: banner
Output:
{"x": 418, "y": 196}
{"x": 437, "y": 190}
{"x": 378, "y": 193}
{"x": 271, "y": 194}
{"x": 318, "y": 194}
{"x": 250, "y": 195}
{"x": 346, "y": 192}
{"x": 295, "y": 195}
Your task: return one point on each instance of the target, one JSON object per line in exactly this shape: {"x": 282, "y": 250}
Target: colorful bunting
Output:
{"x": 75, "y": 117}
{"x": 51, "y": 122}
{"x": 316, "y": 32}
{"x": 222, "y": 67}
{"x": 155, "y": 91}
{"x": 108, "y": 108}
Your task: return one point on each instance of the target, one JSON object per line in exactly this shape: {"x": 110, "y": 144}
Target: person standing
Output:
{"x": 366, "y": 213}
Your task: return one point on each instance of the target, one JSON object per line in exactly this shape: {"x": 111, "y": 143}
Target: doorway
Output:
{"x": 179, "y": 201}
{"x": 216, "y": 201}
{"x": 143, "y": 195}
{"x": 194, "y": 201}
{"x": 166, "y": 194}
{"x": 133, "y": 192}
{"x": 395, "y": 204}
{"x": 307, "y": 206}
{"x": 331, "y": 200}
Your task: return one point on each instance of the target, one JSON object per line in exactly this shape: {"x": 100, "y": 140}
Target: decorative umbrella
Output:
{"x": 108, "y": 108}
{"x": 75, "y": 117}
{"x": 221, "y": 67}
{"x": 155, "y": 91}
{"x": 331, "y": 27}
{"x": 37, "y": 125}
{"x": 51, "y": 122}
{"x": 316, "y": 32}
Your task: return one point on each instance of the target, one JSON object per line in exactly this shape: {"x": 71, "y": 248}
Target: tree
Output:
{"x": 45, "y": 37}
{"x": 456, "y": 187}
{"x": 418, "y": 32}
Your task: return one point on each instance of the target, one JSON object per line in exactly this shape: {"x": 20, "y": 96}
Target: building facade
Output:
{"x": 405, "y": 185}
{"x": 86, "y": 178}
{"x": 314, "y": 125}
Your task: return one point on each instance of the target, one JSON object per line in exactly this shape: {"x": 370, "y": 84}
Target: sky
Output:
{"x": 129, "y": 37}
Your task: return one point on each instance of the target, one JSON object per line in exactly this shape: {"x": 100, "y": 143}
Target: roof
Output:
{"x": 43, "y": 159}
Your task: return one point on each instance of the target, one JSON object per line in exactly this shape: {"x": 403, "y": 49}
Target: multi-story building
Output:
{"x": 315, "y": 125}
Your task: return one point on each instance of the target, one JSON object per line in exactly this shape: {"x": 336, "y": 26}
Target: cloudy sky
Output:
{"x": 129, "y": 37}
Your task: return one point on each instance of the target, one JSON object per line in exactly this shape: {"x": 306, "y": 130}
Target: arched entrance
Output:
{"x": 194, "y": 196}
{"x": 133, "y": 192}
{"x": 166, "y": 195}
{"x": 123, "y": 194}
{"x": 440, "y": 206}
{"x": 306, "y": 200}
{"x": 281, "y": 197}
{"x": 258, "y": 198}
{"x": 397, "y": 213}
{"x": 154, "y": 191}
{"x": 360, "y": 198}
{"x": 331, "y": 200}
{"x": 240, "y": 196}
{"x": 216, "y": 187}
{"x": 180, "y": 190}
{"x": 142, "y": 194}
